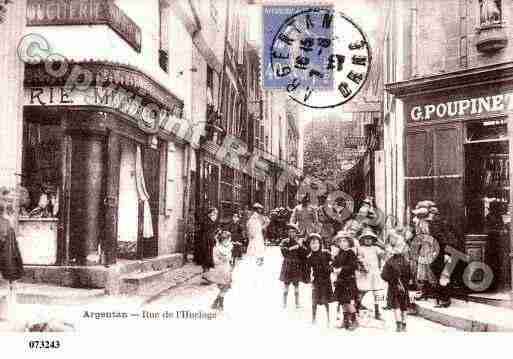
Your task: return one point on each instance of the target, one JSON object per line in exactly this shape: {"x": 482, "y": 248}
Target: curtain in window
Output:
{"x": 143, "y": 195}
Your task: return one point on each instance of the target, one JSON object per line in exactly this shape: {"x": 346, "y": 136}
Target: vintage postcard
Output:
{"x": 315, "y": 167}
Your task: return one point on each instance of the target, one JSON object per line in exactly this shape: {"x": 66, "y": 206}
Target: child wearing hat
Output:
{"x": 293, "y": 268}
{"x": 318, "y": 262}
{"x": 396, "y": 272}
{"x": 368, "y": 276}
{"x": 344, "y": 266}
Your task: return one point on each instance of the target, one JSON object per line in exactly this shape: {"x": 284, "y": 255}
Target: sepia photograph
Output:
{"x": 321, "y": 168}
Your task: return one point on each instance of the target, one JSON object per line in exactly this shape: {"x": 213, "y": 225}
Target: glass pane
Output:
{"x": 42, "y": 170}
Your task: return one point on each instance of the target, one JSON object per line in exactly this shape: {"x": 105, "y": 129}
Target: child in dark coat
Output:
{"x": 318, "y": 262}
{"x": 397, "y": 274}
{"x": 293, "y": 269}
{"x": 346, "y": 291}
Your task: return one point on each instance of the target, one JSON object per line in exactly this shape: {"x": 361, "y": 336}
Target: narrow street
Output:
{"x": 256, "y": 300}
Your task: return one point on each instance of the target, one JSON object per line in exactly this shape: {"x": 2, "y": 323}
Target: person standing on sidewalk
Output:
{"x": 293, "y": 265}
{"x": 423, "y": 248}
{"x": 396, "y": 272}
{"x": 11, "y": 263}
{"x": 206, "y": 240}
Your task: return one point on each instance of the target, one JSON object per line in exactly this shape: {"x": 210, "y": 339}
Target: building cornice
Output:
{"x": 106, "y": 73}
{"x": 473, "y": 77}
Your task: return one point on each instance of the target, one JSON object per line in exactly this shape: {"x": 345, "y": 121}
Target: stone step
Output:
{"x": 28, "y": 293}
{"x": 98, "y": 277}
{"x": 151, "y": 283}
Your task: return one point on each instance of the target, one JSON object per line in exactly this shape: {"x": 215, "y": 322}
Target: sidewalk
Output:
{"x": 468, "y": 316}
{"x": 37, "y": 303}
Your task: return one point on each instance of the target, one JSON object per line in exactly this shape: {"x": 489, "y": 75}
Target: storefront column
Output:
{"x": 88, "y": 136}
{"x": 111, "y": 199}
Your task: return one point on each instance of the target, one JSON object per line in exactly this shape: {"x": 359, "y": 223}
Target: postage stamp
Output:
{"x": 320, "y": 56}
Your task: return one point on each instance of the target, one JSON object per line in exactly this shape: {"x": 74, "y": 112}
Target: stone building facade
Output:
{"x": 448, "y": 119}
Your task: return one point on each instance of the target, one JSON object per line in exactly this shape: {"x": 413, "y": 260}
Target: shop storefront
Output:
{"x": 458, "y": 131}
{"x": 96, "y": 181}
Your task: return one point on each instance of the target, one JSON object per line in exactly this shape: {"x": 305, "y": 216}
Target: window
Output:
{"x": 41, "y": 170}
{"x": 163, "y": 36}
{"x": 490, "y": 12}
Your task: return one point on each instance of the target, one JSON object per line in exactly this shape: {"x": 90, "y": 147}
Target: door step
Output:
{"x": 151, "y": 283}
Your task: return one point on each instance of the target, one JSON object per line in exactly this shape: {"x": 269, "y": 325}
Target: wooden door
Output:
{"x": 419, "y": 166}
{"x": 435, "y": 164}
{"x": 448, "y": 168}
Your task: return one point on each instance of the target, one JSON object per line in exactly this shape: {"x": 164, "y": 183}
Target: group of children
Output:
{"x": 351, "y": 267}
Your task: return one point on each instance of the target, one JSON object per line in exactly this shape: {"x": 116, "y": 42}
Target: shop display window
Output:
{"x": 487, "y": 176}
{"x": 41, "y": 170}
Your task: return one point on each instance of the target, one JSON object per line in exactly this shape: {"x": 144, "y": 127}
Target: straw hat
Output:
{"x": 258, "y": 206}
{"x": 314, "y": 235}
{"x": 425, "y": 204}
{"x": 420, "y": 212}
{"x": 368, "y": 232}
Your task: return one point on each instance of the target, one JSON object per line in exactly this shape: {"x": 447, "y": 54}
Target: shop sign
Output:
{"x": 84, "y": 12}
{"x": 461, "y": 108}
{"x": 95, "y": 96}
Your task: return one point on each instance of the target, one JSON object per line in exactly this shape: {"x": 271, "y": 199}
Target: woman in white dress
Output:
{"x": 256, "y": 225}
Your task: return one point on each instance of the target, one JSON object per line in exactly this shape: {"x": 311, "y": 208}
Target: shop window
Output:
{"x": 490, "y": 12}
{"x": 227, "y": 190}
{"x": 41, "y": 170}
{"x": 487, "y": 175}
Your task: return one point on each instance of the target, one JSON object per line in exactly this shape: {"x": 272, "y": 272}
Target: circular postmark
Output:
{"x": 323, "y": 56}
